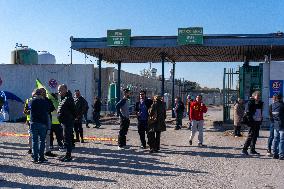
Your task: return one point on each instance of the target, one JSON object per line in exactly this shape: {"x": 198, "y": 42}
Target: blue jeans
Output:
{"x": 38, "y": 131}
{"x": 271, "y": 136}
{"x": 279, "y": 142}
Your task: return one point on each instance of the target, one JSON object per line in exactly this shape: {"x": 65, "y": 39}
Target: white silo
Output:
{"x": 45, "y": 57}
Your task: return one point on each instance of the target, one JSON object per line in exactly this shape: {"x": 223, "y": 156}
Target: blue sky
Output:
{"x": 48, "y": 25}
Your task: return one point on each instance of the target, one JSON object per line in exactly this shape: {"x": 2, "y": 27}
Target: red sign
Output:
{"x": 52, "y": 83}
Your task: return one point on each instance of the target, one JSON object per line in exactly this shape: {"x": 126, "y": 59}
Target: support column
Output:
{"x": 163, "y": 75}
{"x": 100, "y": 77}
{"x": 71, "y": 55}
{"x": 224, "y": 100}
{"x": 118, "y": 81}
{"x": 173, "y": 90}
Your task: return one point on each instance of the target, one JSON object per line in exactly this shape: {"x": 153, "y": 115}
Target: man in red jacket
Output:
{"x": 197, "y": 109}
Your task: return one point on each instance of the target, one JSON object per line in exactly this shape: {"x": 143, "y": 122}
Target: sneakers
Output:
{"x": 245, "y": 152}
{"x": 30, "y": 151}
{"x": 201, "y": 145}
{"x": 62, "y": 149}
{"x": 268, "y": 153}
{"x": 281, "y": 158}
{"x": 275, "y": 156}
{"x": 35, "y": 161}
{"x": 77, "y": 140}
{"x": 65, "y": 159}
{"x": 50, "y": 154}
{"x": 82, "y": 141}
{"x": 143, "y": 147}
{"x": 120, "y": 148}
{"x": 254, "y": 152}
{"x": 190, "y": 142}
{"x": 42, "y": 160}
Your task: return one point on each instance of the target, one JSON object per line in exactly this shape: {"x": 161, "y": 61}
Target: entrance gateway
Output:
{"x": 122, "y": 48}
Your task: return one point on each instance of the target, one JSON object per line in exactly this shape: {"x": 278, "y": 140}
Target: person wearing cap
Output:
{"x": 254, "y": 114}
{"x": 141, "y": 109}
{"x": 38, "y": 120}
{"x": 197, "y": 109}
{"x": 122, "y": 108}
{"x": 277, "y": 109}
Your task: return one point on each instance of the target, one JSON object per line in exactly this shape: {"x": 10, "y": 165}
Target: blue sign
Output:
{"x": 276, "y": 86}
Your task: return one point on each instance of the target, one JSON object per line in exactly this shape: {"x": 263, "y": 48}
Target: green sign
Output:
{"x": 190, "y": 36}
{"x": 118, "y": 37}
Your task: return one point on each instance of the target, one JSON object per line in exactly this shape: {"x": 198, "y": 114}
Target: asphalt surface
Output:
{"x": 99, "y": 164}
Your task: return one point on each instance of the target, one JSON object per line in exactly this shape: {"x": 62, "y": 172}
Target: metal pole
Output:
{"x": 163, "y": 75}
{"x": 118, "y": 81}
{"x": 224, "y": 103}
{"x": 100, "y": 76}
{"x": 71, "y": 55}
{"x": 173, "y": 90}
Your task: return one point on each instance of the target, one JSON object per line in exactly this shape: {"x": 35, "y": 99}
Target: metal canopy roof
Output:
{"x": 216, "y": 48}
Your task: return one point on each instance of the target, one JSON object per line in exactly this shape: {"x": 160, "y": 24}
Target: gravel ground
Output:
{"x": 98, "y": 164}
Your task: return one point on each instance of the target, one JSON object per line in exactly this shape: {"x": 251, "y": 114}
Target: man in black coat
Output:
{"x": 141, "y": 109}
{"x": 80, "y": 108}
{"x": 66, "y": 117}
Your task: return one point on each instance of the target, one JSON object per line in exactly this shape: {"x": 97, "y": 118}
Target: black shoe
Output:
{"x": 254, "y": 152}
{"x": 77, "y": 140}
{"x": 35, "y": 161}
{"x": 152, "y": 151}
{"x": 190, "y": 142}
{"x": 66, "y": 159}
{"x": 87, "y": 126}
{"x": 245, "y": 152}
{"x": 275, "y": 156}
{"x": 143, "y": 147}
{"x": 30, "y": 151}
{"x": 82, "y": 141}
{"x": 281, "y": 158}
{"x": 42, "y": 160}
{"x": 50, "y": 154}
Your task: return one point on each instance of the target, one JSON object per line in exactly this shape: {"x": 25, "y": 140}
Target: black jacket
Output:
{"x": 97, "y": 106}
{"x": 80, "y": 107}
{"x": 251, "y": 109}
{"x": 66, "y": 109}
{"x": 148, "y": 103}
{"x": 39, "y": 108}
{"x": 277, "y": 110}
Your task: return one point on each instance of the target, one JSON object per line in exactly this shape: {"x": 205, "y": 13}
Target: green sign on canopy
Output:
{"x": 118, "y": 37}
{"x": 190, "y": 36}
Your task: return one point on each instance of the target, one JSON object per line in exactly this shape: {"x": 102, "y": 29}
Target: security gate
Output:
{"x": 230, "y": 94}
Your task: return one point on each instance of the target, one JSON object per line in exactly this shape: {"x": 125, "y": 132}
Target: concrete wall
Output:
{"x": 20, "y": 79}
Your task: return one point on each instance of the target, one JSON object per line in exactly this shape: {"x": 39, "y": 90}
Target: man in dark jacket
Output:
{"x": 277, "y": 109}
{"x": 254, "y": 113}
{"x": 51, "y": 108}
{"x": 141, "y": 109}
{"x": 179, "y": 109}
{"x": 80, "y": 108}
{"x": 97, "y": 111}
{"x": 66, "y": 117}
{"x": 38, "y": 107}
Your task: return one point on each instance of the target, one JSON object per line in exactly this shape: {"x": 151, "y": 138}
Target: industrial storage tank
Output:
{"x": 24, "y": 55}
{"x": 45, "y": 57}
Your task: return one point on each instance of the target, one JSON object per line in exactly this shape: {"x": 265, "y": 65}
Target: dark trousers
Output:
{"x": 154, "y": 140}
{"x": 96, "y": 118}
{"x": 57, "y": 129}
{"x": 252, "y": 135}
{"x": 124, "y": 125}
{"x": 68, "y": 136}
{"x": 237, "y": 130}
{"x": 78, "y": 129}
{"x": 142, "y": 129}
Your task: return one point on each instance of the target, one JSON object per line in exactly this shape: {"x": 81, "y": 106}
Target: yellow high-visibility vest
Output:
{"x": 54, "y": 117}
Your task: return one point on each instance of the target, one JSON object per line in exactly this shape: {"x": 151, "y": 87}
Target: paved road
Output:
{"x": 98, "y": 164}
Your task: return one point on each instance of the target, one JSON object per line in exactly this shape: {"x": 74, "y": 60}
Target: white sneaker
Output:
{"x": 120, "y": 148}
